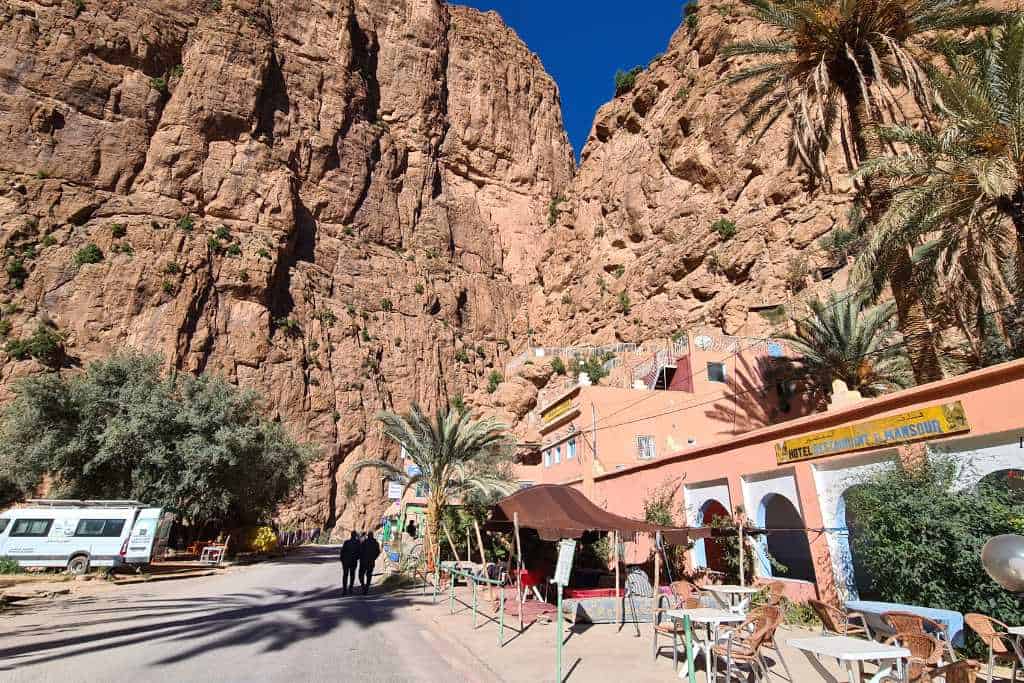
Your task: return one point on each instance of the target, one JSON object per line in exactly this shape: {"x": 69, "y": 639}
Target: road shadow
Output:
{"x": 275, "y": 618}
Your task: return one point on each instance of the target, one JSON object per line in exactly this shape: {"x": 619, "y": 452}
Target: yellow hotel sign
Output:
{"x": 556, "y": 411}
{"x": 925, "y": 423}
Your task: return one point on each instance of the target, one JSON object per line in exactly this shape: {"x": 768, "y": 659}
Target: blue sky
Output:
{"x": 583, "y": 43}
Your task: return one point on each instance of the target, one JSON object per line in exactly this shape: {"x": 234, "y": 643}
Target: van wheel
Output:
{"x": 78, "y": 565}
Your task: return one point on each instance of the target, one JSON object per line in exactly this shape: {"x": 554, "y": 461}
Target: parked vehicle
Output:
{"x": 78, "y": 534}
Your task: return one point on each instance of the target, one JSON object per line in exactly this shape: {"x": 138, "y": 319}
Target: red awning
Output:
{"x": 558, "y": 512}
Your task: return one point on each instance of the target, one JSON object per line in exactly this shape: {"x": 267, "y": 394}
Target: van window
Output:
{"x": 3, "y": 524}
{"x": 31, "y": 527}
{"x": 100, "y": 527}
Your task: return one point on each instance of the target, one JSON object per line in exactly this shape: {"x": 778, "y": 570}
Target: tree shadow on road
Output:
{"x": 274, "y": 618}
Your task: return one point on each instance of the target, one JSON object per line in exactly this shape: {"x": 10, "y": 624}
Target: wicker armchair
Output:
{"x": 670, "y": 627}
{"x": 925, "y": 653}
{"x": 776, "y": 592}
{"x": 1000, "y": 645}
{"x": 835, "y": 620}
{"x": 908, "y": 622}
{"x": 743, "y": 645}
{"x": 964, "y": 671}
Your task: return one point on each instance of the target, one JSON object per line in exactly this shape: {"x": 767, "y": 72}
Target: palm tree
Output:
{"x": 842, "y": 340}
{"x": 844, "y": 56}
{"x": 954, "y": 190}
{"x": 455, "y": 455}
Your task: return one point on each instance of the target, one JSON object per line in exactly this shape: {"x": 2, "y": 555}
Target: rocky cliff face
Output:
{"x": 663, "y": 164}
{"x": 338, "y": 203}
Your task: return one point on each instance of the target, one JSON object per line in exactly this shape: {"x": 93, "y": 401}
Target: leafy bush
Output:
{"x": 326, "y": 317}
{"x": 118, "y": 230}
{"x": 263, "y": 253}
{"x": 172, "y": 268}
{"x": 619, "y": 270}
{"x": 290, "y": 326}
{"x": 186, "y": 223}
{"x": 558, "y": 366}
{"x": 46, "y": 345}
{"x": 625, "y": 80}
{"x": 364, "y": 335}
{"x": 458, "y": 403}
{"x": 386, "y": 305}
{"x": 16, "y": 272}
{"x": 223, "y": 233}
{"x": 493, "y": 380}
{"x": 234, "y": 249}
{"x": 90, "y": 253}
{"x": 123, "y": 429}
{"x": 690, "y": 12}
{"x": 593, "y": 367}
{"x": 625, "y": 305}
{"x": 682, "y": 93}
{"x": 168, "y": 287}
{"x": 462, "y": 356}
{"x": 419, "y": 288}
{"x": 5, "y": 327}
{"x": 260, "y": 539}
{"x": 9, "y": 566}
{"x": 917, "y": 540}
{"x": 725, "y": 228}
{"x": 159, "y": 83}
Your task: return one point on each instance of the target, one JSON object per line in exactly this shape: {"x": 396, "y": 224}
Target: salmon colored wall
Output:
{"x": 991, "y": 400}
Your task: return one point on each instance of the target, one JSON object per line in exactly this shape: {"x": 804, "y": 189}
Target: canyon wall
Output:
{"x": 339, "y": 204}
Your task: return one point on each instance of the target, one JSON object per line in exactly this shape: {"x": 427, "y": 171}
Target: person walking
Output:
{"x": 368, "y": 552}
{"x": 349, "y": 556}
{"x": 411, "y": 529}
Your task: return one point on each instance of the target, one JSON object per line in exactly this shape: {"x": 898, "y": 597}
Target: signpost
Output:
{"x": 566, "y": 550}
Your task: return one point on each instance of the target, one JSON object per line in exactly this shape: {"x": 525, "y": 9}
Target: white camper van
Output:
{"x": 77, "y": 534}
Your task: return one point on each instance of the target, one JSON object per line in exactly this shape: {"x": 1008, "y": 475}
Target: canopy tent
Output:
{"x": 558, "y": 512}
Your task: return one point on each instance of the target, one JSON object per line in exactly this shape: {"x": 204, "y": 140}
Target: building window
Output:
{"x": 31, "y": 527}
{"x": 716, "y": 372}
{"x": 571, "y": 450}
{"x": 111, "y": 528}
{"x": 558, "y": 454}
{"x": 645, "y": 447}
{"x": 547, "y": 458}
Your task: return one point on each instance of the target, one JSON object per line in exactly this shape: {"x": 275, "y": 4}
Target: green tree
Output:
{"x": 842, "y": 340}
{"x": 457, "y": 457}
{"x": 123, "y": 429}
{"x": 957, "y": 186}
{"x": 917, "y": 539}
{"x": 593, "y": 367}
{"x": 845, "y": 55}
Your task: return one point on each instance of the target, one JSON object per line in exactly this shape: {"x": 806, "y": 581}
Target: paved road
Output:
{"x": 279, "y": 621}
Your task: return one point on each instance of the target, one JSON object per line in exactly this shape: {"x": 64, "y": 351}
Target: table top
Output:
{"x": 705, "y": 615}
{"x": 849, "y": 649}
{"x": 880, "y": 607}
{"x": 1016, "y": 630}
{"x": 742, "y": 590}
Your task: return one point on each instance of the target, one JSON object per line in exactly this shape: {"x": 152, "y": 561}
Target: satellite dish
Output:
{"x": 1003, "y": 560}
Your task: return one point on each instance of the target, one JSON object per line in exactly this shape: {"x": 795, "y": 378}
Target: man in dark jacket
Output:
{"x": 368, "y": 553}
{"x": 350, "y": 553}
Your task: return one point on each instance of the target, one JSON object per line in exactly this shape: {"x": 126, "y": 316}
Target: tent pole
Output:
{"x": 742, "y": 563}
{"x": 519, "y": 568}
{"x": 619, "y": 598}
{"x": 483, "y": 558}
{"x": 657, "y": 570}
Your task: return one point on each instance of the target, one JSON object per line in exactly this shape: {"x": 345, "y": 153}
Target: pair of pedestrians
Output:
{"x": 358, "y": 555}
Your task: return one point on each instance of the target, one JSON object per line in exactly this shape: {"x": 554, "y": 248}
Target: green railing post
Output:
{"x": 451, "y": 592}
{"x": 689, "y": 648}
{"x": 501, "y": 616}
{"x": 561, "y": 636}
{"x": 474, "y": 603}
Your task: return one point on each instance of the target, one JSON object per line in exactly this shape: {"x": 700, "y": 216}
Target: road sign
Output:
{"x": 566, "y": 550}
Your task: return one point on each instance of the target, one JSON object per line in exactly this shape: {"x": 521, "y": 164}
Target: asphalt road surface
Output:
{"x": 278, "y": 621}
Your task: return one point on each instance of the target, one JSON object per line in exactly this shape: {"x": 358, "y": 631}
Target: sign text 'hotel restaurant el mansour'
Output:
{"x": 924, "y": 423}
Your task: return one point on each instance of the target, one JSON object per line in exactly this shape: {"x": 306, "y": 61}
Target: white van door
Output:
{"x": 140, "y": 543}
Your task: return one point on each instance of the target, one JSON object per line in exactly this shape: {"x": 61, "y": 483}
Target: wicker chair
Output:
{"x": 670, "y": 627}
{"x": 908, "y": 622}
{"x": 776, "y": 592}
{"x": 964, "y": 671}
{"x": 1000, "y": 646}
{"x": 835, "y": 620}
{"x": 743, "y": 644}
{"x": 925, "y": 653}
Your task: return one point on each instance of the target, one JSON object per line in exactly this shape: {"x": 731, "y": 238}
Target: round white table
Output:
{"x": 713, "y": 618}
{"x": 851, "y": 653}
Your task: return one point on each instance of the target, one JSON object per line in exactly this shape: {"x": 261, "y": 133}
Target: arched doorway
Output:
{"x": 713, "y": 552}
{"x": 857, "y": 577}
{"x": 788, "y": 547}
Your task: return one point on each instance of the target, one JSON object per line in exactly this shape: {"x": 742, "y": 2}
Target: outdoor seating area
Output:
{"x": 706, "y": 631}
